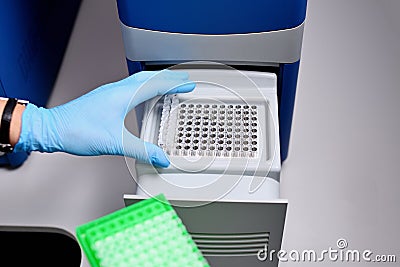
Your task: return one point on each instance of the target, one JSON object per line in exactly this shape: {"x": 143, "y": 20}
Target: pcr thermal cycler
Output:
{"x": 226, "y": 140}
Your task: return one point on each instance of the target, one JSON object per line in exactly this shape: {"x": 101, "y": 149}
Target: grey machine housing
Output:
{"x": 230, "y": 229}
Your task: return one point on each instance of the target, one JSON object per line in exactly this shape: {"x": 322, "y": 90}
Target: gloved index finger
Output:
{"x": 184, "y": 88}
{"x": 163, "y": 74}
{"x": 144, "y": 76}
{"x": 154, "y": 87}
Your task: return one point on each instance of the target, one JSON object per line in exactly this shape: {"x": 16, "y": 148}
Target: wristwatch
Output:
{"x": 11, "y": 103}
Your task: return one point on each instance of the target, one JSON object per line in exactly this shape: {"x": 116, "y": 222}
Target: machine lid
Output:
{"x": 213, "y": 17}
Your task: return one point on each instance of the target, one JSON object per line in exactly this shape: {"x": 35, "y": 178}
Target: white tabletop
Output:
{"x": 341, "y": 175}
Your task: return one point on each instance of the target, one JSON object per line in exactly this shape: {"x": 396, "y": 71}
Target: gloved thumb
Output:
{"x": 135, "y": 147}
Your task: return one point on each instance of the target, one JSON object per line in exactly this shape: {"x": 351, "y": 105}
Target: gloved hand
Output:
{"x": 93, "y": 124}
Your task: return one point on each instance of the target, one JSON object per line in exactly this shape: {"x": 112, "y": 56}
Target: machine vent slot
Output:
{"x": 243, "y": 244}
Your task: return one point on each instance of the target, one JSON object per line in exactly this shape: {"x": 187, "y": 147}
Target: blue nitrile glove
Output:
{"x": 93, "y": 124}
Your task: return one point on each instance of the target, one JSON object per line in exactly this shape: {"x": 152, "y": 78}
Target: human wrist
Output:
{"x": 15, "y": 126}
{"x": 32, "y": 136}
{"x": 2, "y": 105}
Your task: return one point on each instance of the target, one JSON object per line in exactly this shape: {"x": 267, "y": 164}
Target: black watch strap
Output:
{"x": 6, "y": 121}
